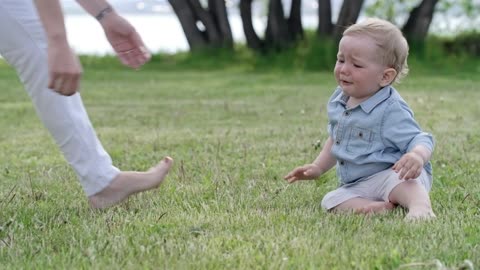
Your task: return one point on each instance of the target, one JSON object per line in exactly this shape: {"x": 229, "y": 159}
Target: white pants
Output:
{"x": 23, "y": 45}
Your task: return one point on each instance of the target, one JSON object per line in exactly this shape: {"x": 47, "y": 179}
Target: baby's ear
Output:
{"x": 389, "y": 75}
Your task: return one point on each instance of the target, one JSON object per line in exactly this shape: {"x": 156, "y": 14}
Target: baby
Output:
{"x": 381, "y": 154}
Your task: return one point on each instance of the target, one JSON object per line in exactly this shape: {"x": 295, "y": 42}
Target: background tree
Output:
{"x": 204, "y": 27}
{"x": 348, "y": 16}
{"x": 280, "y": 32}
{"x": 325, "y": 26}
{"x": 415, "y": 16}
{"x": 208, "y": 26}
{"x": 294, "y": 21}
{"x": 418, "y": 23}
{"x": 253, "y": 41}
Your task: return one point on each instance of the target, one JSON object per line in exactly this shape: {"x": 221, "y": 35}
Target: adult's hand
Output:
{"x": 125, "y": 41}
{"x": 65, "y": 69}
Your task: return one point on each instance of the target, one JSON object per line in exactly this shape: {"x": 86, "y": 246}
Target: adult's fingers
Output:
{"x": 54, "y": 81}
{"x": 70, "y": 85}
{"x": 64, "y": 84}
{"x": 128, "y": 58}
{"x": 134, "y": 58}
{"x": 142, "y": 56}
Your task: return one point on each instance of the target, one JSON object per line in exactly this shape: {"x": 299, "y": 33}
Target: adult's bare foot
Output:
{"x": 129, "y": 183}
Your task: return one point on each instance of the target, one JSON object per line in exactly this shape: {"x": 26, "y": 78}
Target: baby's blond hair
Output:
{"x": 393, "y": 46}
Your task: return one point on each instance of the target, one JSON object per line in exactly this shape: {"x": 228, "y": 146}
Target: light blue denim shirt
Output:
{"x": 372, "y": 136}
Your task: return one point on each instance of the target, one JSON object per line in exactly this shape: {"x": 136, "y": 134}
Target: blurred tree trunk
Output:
{"x": 295, "y": 28}
{"x": 276, "y": 35}
{"x": 220, "y": 17}
{"x": 416, "y": 27}
{"x": 204, "y": 28}
{"x": 253, "y": 41}
{"x": 280, "y": 33}
{"x": 325, "y": 26}
{"x": 348, "y": 16}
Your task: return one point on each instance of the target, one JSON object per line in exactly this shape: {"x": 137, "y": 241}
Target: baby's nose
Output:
{"x": 344, "y": 69}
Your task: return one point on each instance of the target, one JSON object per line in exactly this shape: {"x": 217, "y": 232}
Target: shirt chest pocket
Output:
{"x": 360, "y": 140}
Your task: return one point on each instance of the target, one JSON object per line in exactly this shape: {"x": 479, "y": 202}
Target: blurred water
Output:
{"x": 158, "y": 25}
{"x": 162, "y": 32}
{"x": 159, "y": 32}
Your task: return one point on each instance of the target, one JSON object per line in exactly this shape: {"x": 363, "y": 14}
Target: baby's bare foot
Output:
{"x": 128, "y": 183}
{"x": 420, "y": 213}
{"x": 376, "y": 207}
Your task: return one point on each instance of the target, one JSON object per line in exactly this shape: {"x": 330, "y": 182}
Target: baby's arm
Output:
{"x": 324, "y": 162}
{"x": 411, "y": 164}
{"x": 401, "y": 131}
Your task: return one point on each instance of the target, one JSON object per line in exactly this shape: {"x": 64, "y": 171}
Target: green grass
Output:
{"x": 233, "y": 135}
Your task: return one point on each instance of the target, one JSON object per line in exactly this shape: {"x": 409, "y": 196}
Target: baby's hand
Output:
{"x": 409, "y": 166}
{"x": 305, "y": 172}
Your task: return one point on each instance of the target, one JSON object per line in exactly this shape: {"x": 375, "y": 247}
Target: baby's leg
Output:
{"x": 362, "y": 197}
{"x": 364, "y": 206}
{"x": 413, "y": 196}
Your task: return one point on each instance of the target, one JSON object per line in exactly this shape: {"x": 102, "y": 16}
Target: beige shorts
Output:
{"x": 376, "y": 188}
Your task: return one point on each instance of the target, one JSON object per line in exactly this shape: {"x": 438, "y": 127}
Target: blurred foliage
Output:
{"x": 470, "y": 8}
{"x": 397, "y": 12}
{"x": 437, "y": 54}
{"x": 466, "y": 43}
{"x": 441, "y": 55}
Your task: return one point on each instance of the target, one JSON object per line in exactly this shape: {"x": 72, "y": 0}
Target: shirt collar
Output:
{"x": 341, "y": 98}
{"x": 369, "y": 104}
{"x": 372, "y": 102}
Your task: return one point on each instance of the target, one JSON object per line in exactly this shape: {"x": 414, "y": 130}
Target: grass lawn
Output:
{"x": 233, "y": 135}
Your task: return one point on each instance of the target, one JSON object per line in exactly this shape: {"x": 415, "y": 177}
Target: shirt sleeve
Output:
{"x": 330, "y": 110}
{"x": 401, "y": 131}
{"x": 330, "y": 129}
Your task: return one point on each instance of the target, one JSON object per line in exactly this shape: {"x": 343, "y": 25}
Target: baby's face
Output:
{"x": 359, "y": 70}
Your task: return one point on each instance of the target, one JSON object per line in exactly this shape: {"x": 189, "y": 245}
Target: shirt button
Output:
{"x": 346, "y": 113}
{"x": 337, "y": 142}
{"x": 342, "y": 162}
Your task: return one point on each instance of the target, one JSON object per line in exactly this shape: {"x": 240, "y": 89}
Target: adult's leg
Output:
{"x": 24, "y": 46}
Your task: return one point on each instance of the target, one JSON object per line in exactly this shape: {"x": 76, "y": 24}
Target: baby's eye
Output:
{"x": 340, "y": 60}
{"x": 357, "y": 66}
